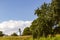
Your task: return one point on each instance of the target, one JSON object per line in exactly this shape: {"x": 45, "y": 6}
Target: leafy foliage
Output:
{"x": 48, "y": 19}
{"x": 27, "y": 31}
{"x": 1, "y": 33}
{"x": 14, "y": 34}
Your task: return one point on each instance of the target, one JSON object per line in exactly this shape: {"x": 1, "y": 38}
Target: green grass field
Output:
{"x": 28, "y": 38}
{"x": 15, "y": 38}
{"x": 57, "y": 37}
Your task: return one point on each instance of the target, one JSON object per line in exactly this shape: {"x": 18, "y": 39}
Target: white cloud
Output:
{"x": 8, "y": 27}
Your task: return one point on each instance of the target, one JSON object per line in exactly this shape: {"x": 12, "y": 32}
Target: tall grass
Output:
{"x": 57, "y": 37}
{"x": 16, "y": 38}
{"x": 28, "y": 38}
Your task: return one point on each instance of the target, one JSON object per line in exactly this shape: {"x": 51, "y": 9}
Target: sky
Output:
{"x": 16, "y": 14}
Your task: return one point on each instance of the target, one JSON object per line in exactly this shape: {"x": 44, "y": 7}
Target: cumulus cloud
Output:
{"x": 8, "y": 27}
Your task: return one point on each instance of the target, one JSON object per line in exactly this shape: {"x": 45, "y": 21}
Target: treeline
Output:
{"x": 13, "y": 34}
{"x": 47, "y": 21}
{"x": 2, "y": 34}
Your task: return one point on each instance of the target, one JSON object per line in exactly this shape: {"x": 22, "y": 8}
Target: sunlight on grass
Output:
{"x": 28, "y": 38}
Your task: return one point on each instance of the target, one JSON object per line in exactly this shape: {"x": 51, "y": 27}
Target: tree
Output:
{"x": 44, "y": 23}
{"x": 14, "y": 34}
{"x": 1, "y": 33}
{"x": 27, "y": 31}
{"x": 56, "y": 8}
{"x": 33, "y": 28}
{"x": 48, "y": 19}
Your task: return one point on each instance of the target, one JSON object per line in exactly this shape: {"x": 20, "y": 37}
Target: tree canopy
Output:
{"x": 48, "y": 19}
{"x": 14, "y": 34}
{"x": 27, "y": 31}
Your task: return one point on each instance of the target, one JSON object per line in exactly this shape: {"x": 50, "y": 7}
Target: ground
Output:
{"x": 28, "y": 38}
{"x": 15, "y": 38}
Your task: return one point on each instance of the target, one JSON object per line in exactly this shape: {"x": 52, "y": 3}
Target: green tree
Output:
{"x": 56, "y": 8}
{"x": 33, "y": 28}
{"x": 27, "y": 31}
{"x": 1, "y": 33}
{"x": 48, "y": 19}
{"x": 14, "y": 34}
{"x": 42, "y": 23}
{"x": 45, "y": 22}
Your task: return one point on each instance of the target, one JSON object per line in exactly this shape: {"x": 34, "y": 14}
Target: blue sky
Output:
{"x": 19, "y": 9}
{"x": 15, "y": 14}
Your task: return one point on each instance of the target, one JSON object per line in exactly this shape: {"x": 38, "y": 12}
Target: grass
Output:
{"x": 15, "y": 38}
{"x": 28, "y": 38}
{"x": 57, "y": 37}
